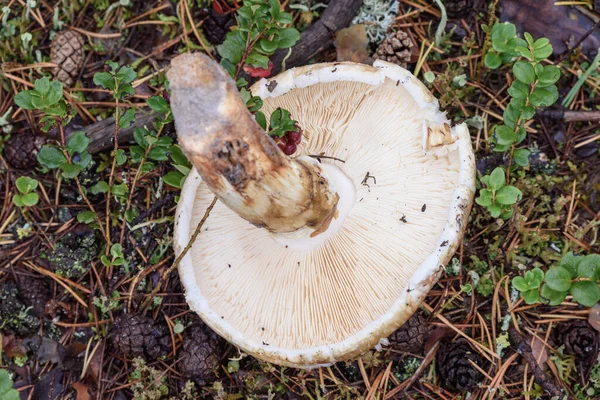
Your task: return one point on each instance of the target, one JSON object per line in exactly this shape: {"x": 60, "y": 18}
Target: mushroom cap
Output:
{"x": 412, "y": 196}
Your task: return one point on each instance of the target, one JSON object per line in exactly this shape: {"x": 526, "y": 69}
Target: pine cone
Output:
{"x": 398, "y": 48}
{"x": 67, "y": 52}
{"x": 458, "y": 8}
{"x": 21, "y": 150}
{"x": 410, "y": 337}
{"x": 201, "y": 353}
{"x": 35, "y": 292}
{"x": 217, "y": 25}
{"x": 579, "y": 338}
{"x": 135, "y": 335}
{"x": 454, "y": 367}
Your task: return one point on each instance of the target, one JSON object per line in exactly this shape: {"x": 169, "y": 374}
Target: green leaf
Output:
{"x": 158, "y": 154}
{"x": 552, "y": 297}
{"x": 78, "y": 142}
{"x": 126, "y": 118}
{"x": 587, "y": 266}
{"x": 233, "y": 47}
{"x": 86, "y": 217}
{"x": 268, "y": 46}
{"x": 70, "y": 171}
{"x": 492, "y": 60}
{"x": 100, "y": 187}
{"x": 531, "y": 296}
{"x": 105, "y": 260}
{"x": 549, "y": 75}
{"x": 104, "y": 79}
{"x": 83, "y": 159}
{"x": 284, "y": 18}
{"x": 178, "y": 328}
{"x": 485, "y": 198}
{"x": 6, "y": 384}
{"x": 26, "y": 184}
{"x": 534, "y": 278}
{"x": 158, "y": 104}
{"x": 585, "y": 293}
{"x": 24, "y": 99}
{"x": 121, "y": 157}
{"x": 495, "y": 210}
{"x": 42, "y": 86}
{"x": 558, "y": 279}
{"x": 123, "y": 90}
{"x": 173, "y": 178}
{"x": 30, "y": 199}
{"x": 508, "y": 195}
{"x": 497, "y": 178}
{"x": 126, "y": 74}
{"x": 55, "y": 93}
{"x": 51, "y": 157}
{"x": 529, "y": 38}
{"x": 177, "y": 156}
{"x": 288, "y": 37}
{"x": 261, "y": 119}
{"x": 544, "y": 97}
{"x": 524, "y": 72}
{"x": 519, "y": 90}
{"x": 119, "y": 190}
{"x": 520, "y": 284}
{"x": 116, "y": 250}
{"x": 521, "y": 157}
{"x": 542, "y": 49}
{"x": 570, "y": 262}
{"x": 504, "y": 135}
{"x": 256, "y": 59}
{"x": 17, "y": 200}
{"x": 527, "y": 112}
{"x": 524, "y": 52}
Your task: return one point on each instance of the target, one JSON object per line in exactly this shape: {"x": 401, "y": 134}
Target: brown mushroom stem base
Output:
{"x": 238, "y": 161}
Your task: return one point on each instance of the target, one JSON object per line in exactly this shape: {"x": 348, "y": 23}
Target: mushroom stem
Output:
{"x": 238, "y": 161}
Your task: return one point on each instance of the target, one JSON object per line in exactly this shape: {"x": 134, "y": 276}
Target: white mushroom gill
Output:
{"x": 287, "y": 298}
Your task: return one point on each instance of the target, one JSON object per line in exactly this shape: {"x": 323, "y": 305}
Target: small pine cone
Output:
{"x": 67, "y": 52}
{"x": 454, "y": 368}
{"x": 458, "y": 8}
{"x": 21, "y": 150}
{"x": 411, "y": 337}
{"x": 217, "y": 25}
{"x": 201, "y": 353}
{"x": 398, "y": 48}
{"x": 35, "y": 292}
{"x": 579, "y": 339}
{"x": 135, "y": 335}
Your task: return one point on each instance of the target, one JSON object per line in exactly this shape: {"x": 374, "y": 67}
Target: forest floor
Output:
{"x": 75, "y": 325}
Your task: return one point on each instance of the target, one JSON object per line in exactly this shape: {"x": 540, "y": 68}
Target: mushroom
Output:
{"x": 337, "y": 246}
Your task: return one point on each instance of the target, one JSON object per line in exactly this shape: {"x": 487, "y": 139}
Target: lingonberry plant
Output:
{"x": 498, "y": 197}
{"x": 533, "y": 86}
{"x": 578, "y": 276}
{"x": 27, "y": 196}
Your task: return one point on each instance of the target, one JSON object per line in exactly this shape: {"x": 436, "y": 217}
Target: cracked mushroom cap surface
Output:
{"x": 409, "y": 189}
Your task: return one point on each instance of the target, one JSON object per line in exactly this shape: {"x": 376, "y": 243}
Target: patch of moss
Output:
{"x": 14, "y": 314}
{"x": 73, "y": 254}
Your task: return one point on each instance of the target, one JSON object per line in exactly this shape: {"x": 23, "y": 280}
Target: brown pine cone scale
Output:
{"x": 217, "y": 25}
{"x": 68, "y": 53}
{"x": 201, "y": 353}
{"x": 454, "y": 366}
{"x": 579, "y": 339}
{"x": 22, "y": 149}
{"x": 410, "y": 337}
{"x": 398, "y": 48}
{"x": 135, "y": 335}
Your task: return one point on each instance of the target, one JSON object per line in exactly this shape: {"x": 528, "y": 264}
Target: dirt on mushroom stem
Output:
{"x": 237, "y": 159}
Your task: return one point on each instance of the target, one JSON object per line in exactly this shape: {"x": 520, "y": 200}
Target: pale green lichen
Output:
{"x": 378, "y": 16}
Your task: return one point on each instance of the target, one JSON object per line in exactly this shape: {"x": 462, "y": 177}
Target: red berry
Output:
{"x": 289, "y": 149}
{"x": 295, "y": 137}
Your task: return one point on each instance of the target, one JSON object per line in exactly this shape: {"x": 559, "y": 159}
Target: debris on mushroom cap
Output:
{"x": 313, "y": 301}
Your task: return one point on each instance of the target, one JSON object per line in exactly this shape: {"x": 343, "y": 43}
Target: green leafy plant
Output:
{"x": 6, "y": 384}
{"x": 70, "y": 159}
{"x": 116, "y": 256}
{"x": 46, "y": 96}
{"x": 259, "y": 33}
{"x": 574, "y": 275}
{"x": 497, "y": 196}
{"x": 26, "y": 187}
{"x": 534, "y": 85}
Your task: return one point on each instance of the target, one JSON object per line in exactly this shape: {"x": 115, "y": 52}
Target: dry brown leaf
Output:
{"x": 594, "y": 318}
{"x": 351, "y": 45}
{"x": 83, "y": 391}
{"x": 538, "y": 349}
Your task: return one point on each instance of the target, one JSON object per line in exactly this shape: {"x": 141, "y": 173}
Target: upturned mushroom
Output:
{"x": 316, "y": 258}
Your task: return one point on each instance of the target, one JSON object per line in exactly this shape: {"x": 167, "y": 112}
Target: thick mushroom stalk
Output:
{"x": 238, "y": 161}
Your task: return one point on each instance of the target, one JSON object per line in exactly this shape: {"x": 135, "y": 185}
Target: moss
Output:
{"x": 73, "y": 254}
{"x": 14, "y": 315}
